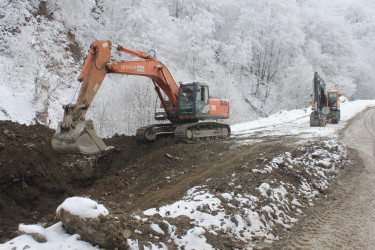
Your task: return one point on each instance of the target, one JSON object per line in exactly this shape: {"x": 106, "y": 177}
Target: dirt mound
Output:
{"x": 34, "y": 179}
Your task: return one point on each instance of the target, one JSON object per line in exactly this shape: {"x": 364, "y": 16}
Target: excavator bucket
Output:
{"x": 316, "y": 121}
{"x": 80, "y": 139}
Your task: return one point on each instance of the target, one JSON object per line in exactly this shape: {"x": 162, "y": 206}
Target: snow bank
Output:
{"x": 55, "y": 236}
{"x": 252, "y": 215}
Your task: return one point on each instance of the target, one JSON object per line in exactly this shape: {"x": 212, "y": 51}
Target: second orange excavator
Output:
{"x": 185, "y": 105}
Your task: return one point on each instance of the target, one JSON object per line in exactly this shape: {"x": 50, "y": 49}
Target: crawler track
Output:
{"x": 186, "y": 133}
{"x": 193, "y": 132}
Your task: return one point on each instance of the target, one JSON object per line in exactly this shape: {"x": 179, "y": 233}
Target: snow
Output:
{"x": 263, "y": 188}
{"x": 296, "y": 122}
{"x": 157, "y": 228}
{"x": 194, "y": 239}
{"x": 55, "y": 235}
{"x": 16, "y": 105}
{"x": 83, "y": 207}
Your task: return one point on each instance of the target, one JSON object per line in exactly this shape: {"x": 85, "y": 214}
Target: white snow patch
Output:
{"x": 83, "y": 207}
{"x": 56, "y": 237}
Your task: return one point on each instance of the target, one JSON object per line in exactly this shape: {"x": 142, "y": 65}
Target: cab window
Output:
{"x": 332, "y": 99}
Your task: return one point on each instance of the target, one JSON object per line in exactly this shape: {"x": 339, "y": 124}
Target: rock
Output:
{"x": 234, "y": 202}
{"x": 104, "y": 231}
{"x": 38, "y": 237}
{"x": 11, "y": 136}
{"x": 263, "y": 246}
{"x": 126, "y": 233}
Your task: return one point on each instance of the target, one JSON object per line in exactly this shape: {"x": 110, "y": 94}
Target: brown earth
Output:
{"x": 132, "y": 177}
{"x": 34, "y": 179}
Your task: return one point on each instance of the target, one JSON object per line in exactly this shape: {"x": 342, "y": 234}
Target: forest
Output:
{"x": 260, "y": 55}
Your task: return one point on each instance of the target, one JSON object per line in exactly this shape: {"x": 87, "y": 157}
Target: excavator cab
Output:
{"x": 333, "y": 99}
{"x": 186, "y": 104}
{"x": 193, "y": 101}
{"x": 333, "y": 103}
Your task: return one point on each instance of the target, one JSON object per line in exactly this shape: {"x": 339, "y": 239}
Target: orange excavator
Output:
{"x": 185, "y": 106}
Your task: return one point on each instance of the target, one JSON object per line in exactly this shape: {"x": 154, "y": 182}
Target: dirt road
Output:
{"x": 347, "y": 219}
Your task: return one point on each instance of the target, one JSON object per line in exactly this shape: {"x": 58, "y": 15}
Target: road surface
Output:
{"x": 347, "y": 219}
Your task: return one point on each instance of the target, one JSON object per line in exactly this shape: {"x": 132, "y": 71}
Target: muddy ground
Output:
{"x": 133, "y": 177}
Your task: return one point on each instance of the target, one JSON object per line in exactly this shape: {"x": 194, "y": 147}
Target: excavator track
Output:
{"x": 150, "y": 132}
{"x": 185, "y": 133}
{"x": 192, "y": 132}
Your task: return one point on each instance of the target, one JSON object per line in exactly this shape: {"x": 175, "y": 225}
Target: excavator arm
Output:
{"x": 74, "y": 133}
{"x": 317, "y": 118}
{"x": 156, "y": 71}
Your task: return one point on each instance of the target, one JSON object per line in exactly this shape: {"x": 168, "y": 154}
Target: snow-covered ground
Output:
{"x": 296, "y": 122}
{"x": 255, "y": 217}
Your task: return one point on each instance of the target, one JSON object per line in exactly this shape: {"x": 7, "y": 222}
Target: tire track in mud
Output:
{"x": 347, "y": 219}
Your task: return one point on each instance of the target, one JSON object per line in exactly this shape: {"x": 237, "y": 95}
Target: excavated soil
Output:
{"x": 34, "y": 179}
{"x": 132, "y": 177}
